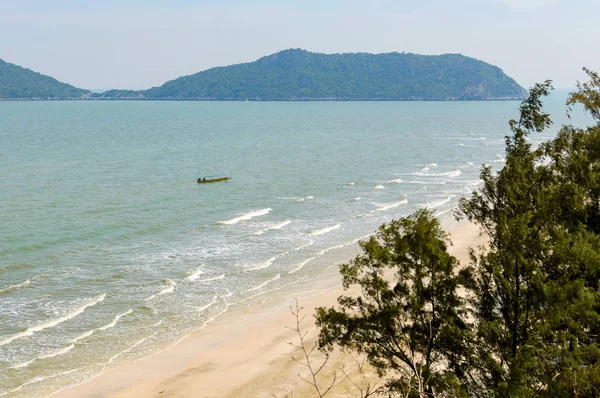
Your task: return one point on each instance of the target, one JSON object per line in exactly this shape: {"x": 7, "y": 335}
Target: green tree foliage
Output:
{"x": 21, "y": 83}
{"x": 302, "y": 75}
{"x": 536, "y": 288}
{"x": 409, "y": 320}
{"x": 532, "y": 296}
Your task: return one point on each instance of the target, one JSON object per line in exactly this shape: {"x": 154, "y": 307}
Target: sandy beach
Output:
{"x": 245, "y": 353}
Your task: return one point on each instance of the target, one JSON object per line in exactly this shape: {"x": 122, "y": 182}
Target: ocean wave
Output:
{"x": 350, "y": 183}
{"x": 265, "y": 283}
{"x": 194, "y": 275}
{"x": 169, "y": 288}
{"x": 421, "y": 182}
{"x": 212, "y": 279}
{"x": 247, "y": 216}
{"x": 431, "y": 165}
{"x": 53, "y": 322}
{"x": 356, "y": 199}
{"x": 37, "y": 379}
{"x": 131, "y": 347}
{"x": 454, "y": 173}
{"x": 433, "y": 205}
{"x": 62, "y": 351}
{"x": 322, "y": 252}
{"x": 115, "y": 320}
{"x": 302, "y": 264}
{"x": 304, "y": 198}
{"x": 266, "y": 264}
{"x": 379, "y": 186}
{"x": 214, "y": 300}
{"x": 394, "y": 181}
{"x": 325, "y": 230}
{"x": 274, "y": 226}
{"x": 12, "y": 288}
{"x": 387, "y": 206}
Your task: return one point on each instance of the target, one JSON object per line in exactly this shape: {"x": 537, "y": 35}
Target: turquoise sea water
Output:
{"x": 110, "y": 250}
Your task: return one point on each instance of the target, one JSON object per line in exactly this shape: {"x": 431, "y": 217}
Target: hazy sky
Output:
{"x": 142, "y": 43}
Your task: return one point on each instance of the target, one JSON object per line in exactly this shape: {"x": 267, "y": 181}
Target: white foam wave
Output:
{"x": 350, "y": 183}
{"x": 83, "y": 336}
{"x": 433, "y": 205}
{"x": 229, "y": 294}
{"x": 212, "y": 279}
{"x": 420, "y": 182}
{"x": 247, "y": 216}
{"x": 394, "y": 181}
{"x": 266, "y": 264}
{"x": 387, "y": 206}
{"x": 170, "y": 286}
{"x": 128, "y": 349}
{"x": 379, "y": 186}
{"x": 331, "y": 248}
{"x": 356, "y": 199}
{"x": 325, "y": 230}
{"x": 214, "y": 300}
{"x": 14, "y": 287}
{"x": 302, "y": 264}
{"x": 194, "y": 275}
{"x": 265, "y": 283}
{"x": 304, "y": 245}
{"x": 454, "y": 173}
{"x": 431, "y": 165}
{"x": 51, "y": 355}
{"x": 114, "y": 321}
{"x": 37, "y": 379}
{"x": 53, "y": 322}
{"x": 304, "y": 198}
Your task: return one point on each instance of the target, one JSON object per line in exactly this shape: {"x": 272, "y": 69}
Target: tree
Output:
{"x": 536, "y": 288}
{"x": 409, "y": 320}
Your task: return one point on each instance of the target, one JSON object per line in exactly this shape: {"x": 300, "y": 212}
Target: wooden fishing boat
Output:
{"x": 206, "y": 180}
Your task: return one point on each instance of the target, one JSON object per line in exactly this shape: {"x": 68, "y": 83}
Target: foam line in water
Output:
{"x": 266, "y": 264}
{"x": 325, "y": 230}
{"x": 265, "y": 283}
{"x": 322, "y": 252}
{"x": 12, "y": 288}
{"x": 394, "y": 181}
{"x": 214, "y": 300}
{"x": 194, "y": 275}
{"x": 379, "y": 186}
{"x": 212, "y": 279}
{"x": 62, "y": 351}
{"x": 129, "y": 349}
{"x": 302, "y": 264}
{"x": 247, "y": 216}
{"x": 274, "y": 226}
{"x": 229, "y": 294}
{"x": 115, "y": 320}
{"x": 53, "y": 322}
{"x": 431, "y": 165}
{"x": 453, "y": 173}
{"x": 433, "y": 205}
{"x": 350, "y": 183}
{"x": 83, "y": 336}
{"x": 356, "y": 199}
{"x": 37, "y": 379}
{"x": 170, "y": 286}
{"x": 387, "y": 206}
{"x": 304, "y": 245}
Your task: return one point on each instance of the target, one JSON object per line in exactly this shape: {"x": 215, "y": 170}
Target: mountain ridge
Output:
{"x": 300, "y": 75}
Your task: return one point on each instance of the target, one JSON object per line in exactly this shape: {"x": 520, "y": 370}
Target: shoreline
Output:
{"x": 245, "y": 353}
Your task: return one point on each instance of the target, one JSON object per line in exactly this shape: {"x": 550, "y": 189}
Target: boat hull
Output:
{"x": 201, "y": 181}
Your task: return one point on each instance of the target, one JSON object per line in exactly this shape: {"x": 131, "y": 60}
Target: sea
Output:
{"x": 110, "y": 250}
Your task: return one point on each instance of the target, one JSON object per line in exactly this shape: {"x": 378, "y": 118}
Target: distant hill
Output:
{"x": 301, "y": 75}
{"x": 20, "y": 83}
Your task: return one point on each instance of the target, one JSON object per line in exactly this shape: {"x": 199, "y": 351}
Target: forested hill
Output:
{"x": 21, "y": 83}
{"x": 302, "y": 75}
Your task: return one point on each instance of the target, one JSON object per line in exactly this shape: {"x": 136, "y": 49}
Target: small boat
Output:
{"x": 206, "y": 181}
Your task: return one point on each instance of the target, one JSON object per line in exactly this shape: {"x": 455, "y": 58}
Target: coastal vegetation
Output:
{"x": 522, "y": 319}
{"x": 21, "y": 83}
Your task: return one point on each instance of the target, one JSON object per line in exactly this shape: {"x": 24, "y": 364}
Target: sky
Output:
{"x": 137, "y": 44}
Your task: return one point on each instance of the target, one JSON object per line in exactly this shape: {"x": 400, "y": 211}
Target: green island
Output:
{"x": 299, "y": 75}
{"x": 21, "y": 83}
